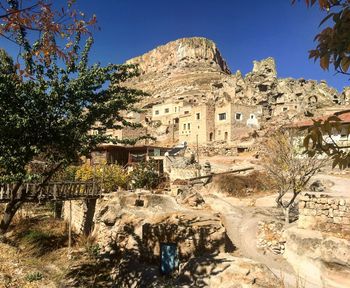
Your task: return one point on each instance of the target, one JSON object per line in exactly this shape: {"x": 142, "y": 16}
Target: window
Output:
{"x": 184, "y": 126}
{"x": 222, "y": 116}
{"x": 285, "y": 109}
{"x": 166, "y": 110}
{"x": 156, "y": 112}
{"x": 198, "y": 116}
{"x": 188, "y": 126}
{"x": 186, "y": 112}
{"x": 226, "y": 136}
{"x": 252, "y": 116}
{"x": 238, "y": 116}
{"x": 175, "y": 109}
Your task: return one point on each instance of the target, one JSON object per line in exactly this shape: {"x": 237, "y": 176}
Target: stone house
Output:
{"x": 234, "y": 120}
{"x": 340, "y": 137}
{"x": 225, "y": 122}
{"x": 168, "y": 113}
{"x": 198, "y": 125}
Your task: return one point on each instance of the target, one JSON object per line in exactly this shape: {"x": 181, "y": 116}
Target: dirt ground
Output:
{"x": 35, "y": 254}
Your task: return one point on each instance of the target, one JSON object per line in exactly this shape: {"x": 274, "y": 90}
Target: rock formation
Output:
{"x": 190, "y": 69}
{"x": 193, "y": 70}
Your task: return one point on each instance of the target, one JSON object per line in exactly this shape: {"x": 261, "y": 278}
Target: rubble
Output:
{"x": 269, "y": 237}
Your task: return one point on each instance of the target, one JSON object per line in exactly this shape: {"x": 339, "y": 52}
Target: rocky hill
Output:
{"x": 193, "y": 70}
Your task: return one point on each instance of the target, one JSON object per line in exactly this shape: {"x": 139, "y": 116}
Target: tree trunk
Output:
{"x": 17, "y": 196}
{"x": 286, "y": 214}
{"x": 9, "y": 213}
{"x": 58, "y": 209}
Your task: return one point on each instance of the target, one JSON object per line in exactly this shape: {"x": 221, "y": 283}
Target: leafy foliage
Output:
{"x": 320, "y": 138}
{"x": 49, "y": 115}
{"x": 110, "y": 176}
{"x": 333, "y": 42}
{"x": 145, "y": 175}
{"x": 40, "y": 28}
{"x": 35, "y": 276}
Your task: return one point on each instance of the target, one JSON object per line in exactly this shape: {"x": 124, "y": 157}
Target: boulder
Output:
{"x": 226, "y": 271}
{"x": 319, "y": 259}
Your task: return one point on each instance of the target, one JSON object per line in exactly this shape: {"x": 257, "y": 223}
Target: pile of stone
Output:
{"x": 269, "y": 237}
{"x": 217, "y": 149}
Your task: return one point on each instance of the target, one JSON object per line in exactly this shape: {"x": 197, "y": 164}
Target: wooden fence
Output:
{"x": 51, "y": 191}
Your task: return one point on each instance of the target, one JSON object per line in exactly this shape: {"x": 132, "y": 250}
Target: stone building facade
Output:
{"x": 226, "y": 122}
{"x": 167, "y": 113}
{"x": 233, "y": 120}
{"x": 198, "y": 125}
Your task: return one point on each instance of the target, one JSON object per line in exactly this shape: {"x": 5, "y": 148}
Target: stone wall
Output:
{"x": 183, "y": 173}
{"x": 82, "y": 214}
{"x": 324, "y": 212}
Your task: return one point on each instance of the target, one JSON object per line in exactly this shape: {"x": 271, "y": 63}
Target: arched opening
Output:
{"x": 211, "y": 136}
{"x": 226, "y": 136}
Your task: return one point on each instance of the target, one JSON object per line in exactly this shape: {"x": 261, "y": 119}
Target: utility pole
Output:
{"x": 199, "y": 167}
{"x": 197, "y": 149}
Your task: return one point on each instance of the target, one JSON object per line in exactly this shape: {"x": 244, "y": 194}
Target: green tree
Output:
{"x": 50, "y": 114}
{"x": 333, "y": 42}
{"x": 145, "y": 175}
{"x": 332, "y": 49}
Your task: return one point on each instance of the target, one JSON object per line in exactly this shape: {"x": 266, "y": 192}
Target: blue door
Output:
{"x": 168, "y": 258}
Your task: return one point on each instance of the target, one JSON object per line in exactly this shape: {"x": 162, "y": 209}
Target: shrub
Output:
{"x": 242, "y": 186}
{"x": 33, "y": 236}
{"x": 145, "y": 175}
{"x": 35, "y": 276}
{"x": 110, "y": 176}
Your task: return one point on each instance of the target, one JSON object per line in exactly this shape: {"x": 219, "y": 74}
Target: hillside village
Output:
{"x": 210, "y": 218}
{"x": 200, "y": 102}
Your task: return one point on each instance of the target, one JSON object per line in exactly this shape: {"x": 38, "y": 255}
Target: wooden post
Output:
{"x": 70, "y": 230}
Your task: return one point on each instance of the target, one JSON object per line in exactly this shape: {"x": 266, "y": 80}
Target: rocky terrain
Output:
{"x": 193, "y": 70}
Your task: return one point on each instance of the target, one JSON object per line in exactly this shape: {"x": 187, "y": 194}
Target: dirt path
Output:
{"x": 241, "y": 226}
{"x": 341, "y": 185}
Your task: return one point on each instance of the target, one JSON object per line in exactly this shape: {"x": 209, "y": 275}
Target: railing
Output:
{"x": 50, "y": 192}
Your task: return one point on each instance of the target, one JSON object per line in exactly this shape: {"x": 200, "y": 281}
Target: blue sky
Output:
{"x": 243, "y": 31}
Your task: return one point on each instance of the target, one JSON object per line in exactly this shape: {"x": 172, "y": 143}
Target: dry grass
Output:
{"x": 35, "y": 252}
{"x": 255, "y": 183}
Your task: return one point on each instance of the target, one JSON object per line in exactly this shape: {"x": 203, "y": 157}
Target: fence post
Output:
{"x": 70, "y": 230}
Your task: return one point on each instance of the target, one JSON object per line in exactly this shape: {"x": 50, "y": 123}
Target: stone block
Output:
{"x": 330, "y": 212}
{"x": 346, "y": 220}
{"x": 342, "y": 208}
{"x": 334, "y": 206}
{"x": 323, "y": 200}
{"x": 330, "y": 201}
{"x": 310, "y": 205}
{"x": 313, "y": 212}
{"x": 341, "y": 213}
{"x": 338, "y": 220}
{"x": 342, "y": 202}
